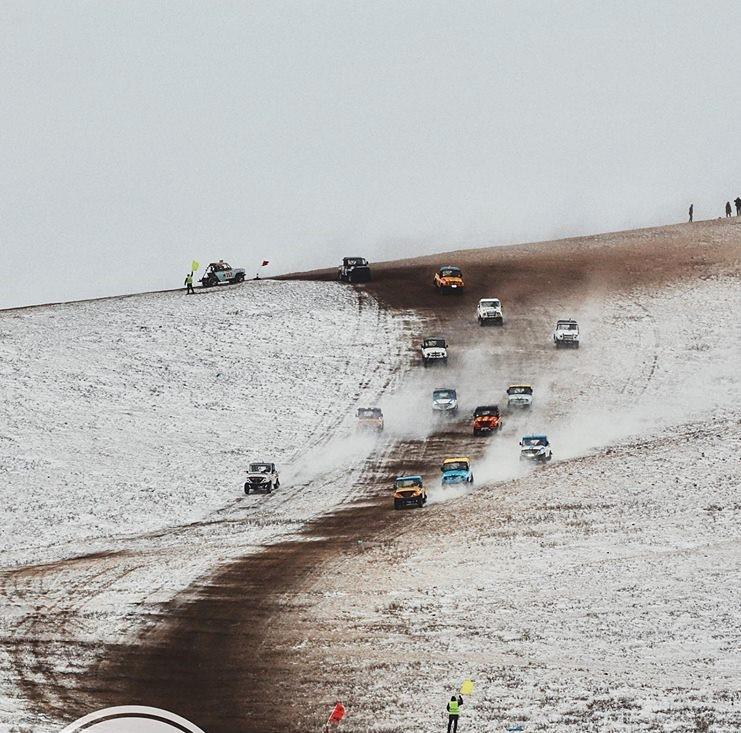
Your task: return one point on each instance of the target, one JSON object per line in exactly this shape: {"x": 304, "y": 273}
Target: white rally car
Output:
{"x": 262, "y": 477}
{"x": 222, "y": 272}
{"x": 519, "y": 395}
{"x": 434, "y": 351}
{"x": 489, "y": 310}
{"x": 566, "y": 334}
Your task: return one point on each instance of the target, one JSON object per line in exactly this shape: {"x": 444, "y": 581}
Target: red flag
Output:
{"x": 265, "y": 263}
{"x": 337, "y": 714}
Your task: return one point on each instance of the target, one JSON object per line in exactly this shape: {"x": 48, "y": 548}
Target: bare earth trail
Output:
{"x": 228, "y": 654}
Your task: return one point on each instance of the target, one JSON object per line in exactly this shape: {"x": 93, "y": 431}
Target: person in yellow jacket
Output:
{"x": 454, "y": 710}
{"x": 189, "y": 284}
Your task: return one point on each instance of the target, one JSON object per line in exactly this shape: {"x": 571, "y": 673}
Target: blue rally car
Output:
{"x": 456, "y": 471}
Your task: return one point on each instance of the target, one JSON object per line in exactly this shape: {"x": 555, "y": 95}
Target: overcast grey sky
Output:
{"x": 136, "y": 136}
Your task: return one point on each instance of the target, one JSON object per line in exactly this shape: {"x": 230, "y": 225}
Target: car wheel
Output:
{"x": 246, "y": 488}
{"x": 239, "y": 277}
{"x": 277, "y": 484}
{"x": 397, "y": 505}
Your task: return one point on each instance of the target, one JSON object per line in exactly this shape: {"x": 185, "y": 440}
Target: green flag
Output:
{"x": 194, "y": 265}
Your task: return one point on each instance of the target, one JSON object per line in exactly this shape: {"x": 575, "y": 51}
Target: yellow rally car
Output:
{"x": 409, "y": 491}
{"x": 449, "y": 279}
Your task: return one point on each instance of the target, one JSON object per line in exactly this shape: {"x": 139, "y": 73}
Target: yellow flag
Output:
{"x": 194, "y": 265}
{"x": 467, "y": 687}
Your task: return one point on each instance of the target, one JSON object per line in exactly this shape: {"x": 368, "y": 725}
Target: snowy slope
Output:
{"x": 127, "y": 426}
{"x": 129, "y": 415}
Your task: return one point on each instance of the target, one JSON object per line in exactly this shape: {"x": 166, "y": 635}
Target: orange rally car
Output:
{"x": 449, "y": 279}
{"x": 486, "y": 419}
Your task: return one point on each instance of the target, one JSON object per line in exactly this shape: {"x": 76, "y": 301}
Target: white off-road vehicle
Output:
{"x": 445, "y": 400}
{"x": 219, "y": 273}
{"x": 519, "y": 395}
{"x": 566, "y": 334}
{"x": 434, "y": 351}
{"x": 261, "y": 477}
{"x": 535, "y": 448}
{"x": 489, "y": 310}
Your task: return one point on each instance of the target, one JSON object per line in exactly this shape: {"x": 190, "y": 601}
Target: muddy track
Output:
{"x": 211, "y": 654}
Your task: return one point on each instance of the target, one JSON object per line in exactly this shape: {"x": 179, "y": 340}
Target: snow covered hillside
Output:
{"x": 129, "y": 415}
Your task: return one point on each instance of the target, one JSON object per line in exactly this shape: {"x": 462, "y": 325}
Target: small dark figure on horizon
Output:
{"x": 692, "y": 212}
{"x": 728, "y": 209}
{"x": 189, "y": 284}
{"x": 737, "y": 201}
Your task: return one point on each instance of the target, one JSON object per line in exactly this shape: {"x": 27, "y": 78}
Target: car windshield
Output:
{"x": 534, "y": 441}
{"x": 450, "y": 272}
{"x": 486, "y": 411}
{"x": 443, "y": 394}
{"x": 520, "y": 390}
{"x": 259, "y": 468}
{"x": 455, "y": 466}
{"x": 407, "y": 483}
{"x": 494, "y": 303}
{"x": 430, "y": 343}
{"x": 567, "y": 326}
{"x": 355, "y": 261}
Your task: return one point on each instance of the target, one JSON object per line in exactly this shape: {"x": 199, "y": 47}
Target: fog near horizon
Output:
{"x": 138, "y": 136}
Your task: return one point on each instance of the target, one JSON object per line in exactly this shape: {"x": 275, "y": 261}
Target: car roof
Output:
{"x": 433, "y": 338}
{"x": 565, "y": 320}
{"x": 458, "y": 458}
{"x": 492, "y": 298}
{"x": 535, "y": 437}
{"x": 487, "y": 407}
{"x": 416, "y": 477}
{"x": 444, "y": 389}
{"x": 520, "y": 385}
{"x": 449, "y": 267}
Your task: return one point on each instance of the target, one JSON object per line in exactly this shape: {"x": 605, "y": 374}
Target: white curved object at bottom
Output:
{"x": 132, "y": 719}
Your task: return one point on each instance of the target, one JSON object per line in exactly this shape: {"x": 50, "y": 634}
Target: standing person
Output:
{"x": 189, "y": 284}
{"x": 738, "y": 205}
{"x": 454, "y": 710}
{"x": 692, "y": 212}
{"x": 337, "y": 714}
{"x": 728, "y": 209}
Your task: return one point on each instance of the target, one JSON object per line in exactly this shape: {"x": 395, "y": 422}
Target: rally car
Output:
{"x": 370, "y": 418}
{"x": 535, "y": 448}
{"x": 519, "y": 395}
{"x": 261, "y": 477}
{"x": 434, "y": 351}
{"x": 449, "y": 279}
{"x": 354, "y": 270}
{"x": 456, "y": 471}
{"x": 566, "y": 334}
{"x": 445, "y": 400}
{"x": 409, "y": 491}
{"x": 489, "y": 310}
{"x": 218, "y": 273}
{"x": 486, "y": 419}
